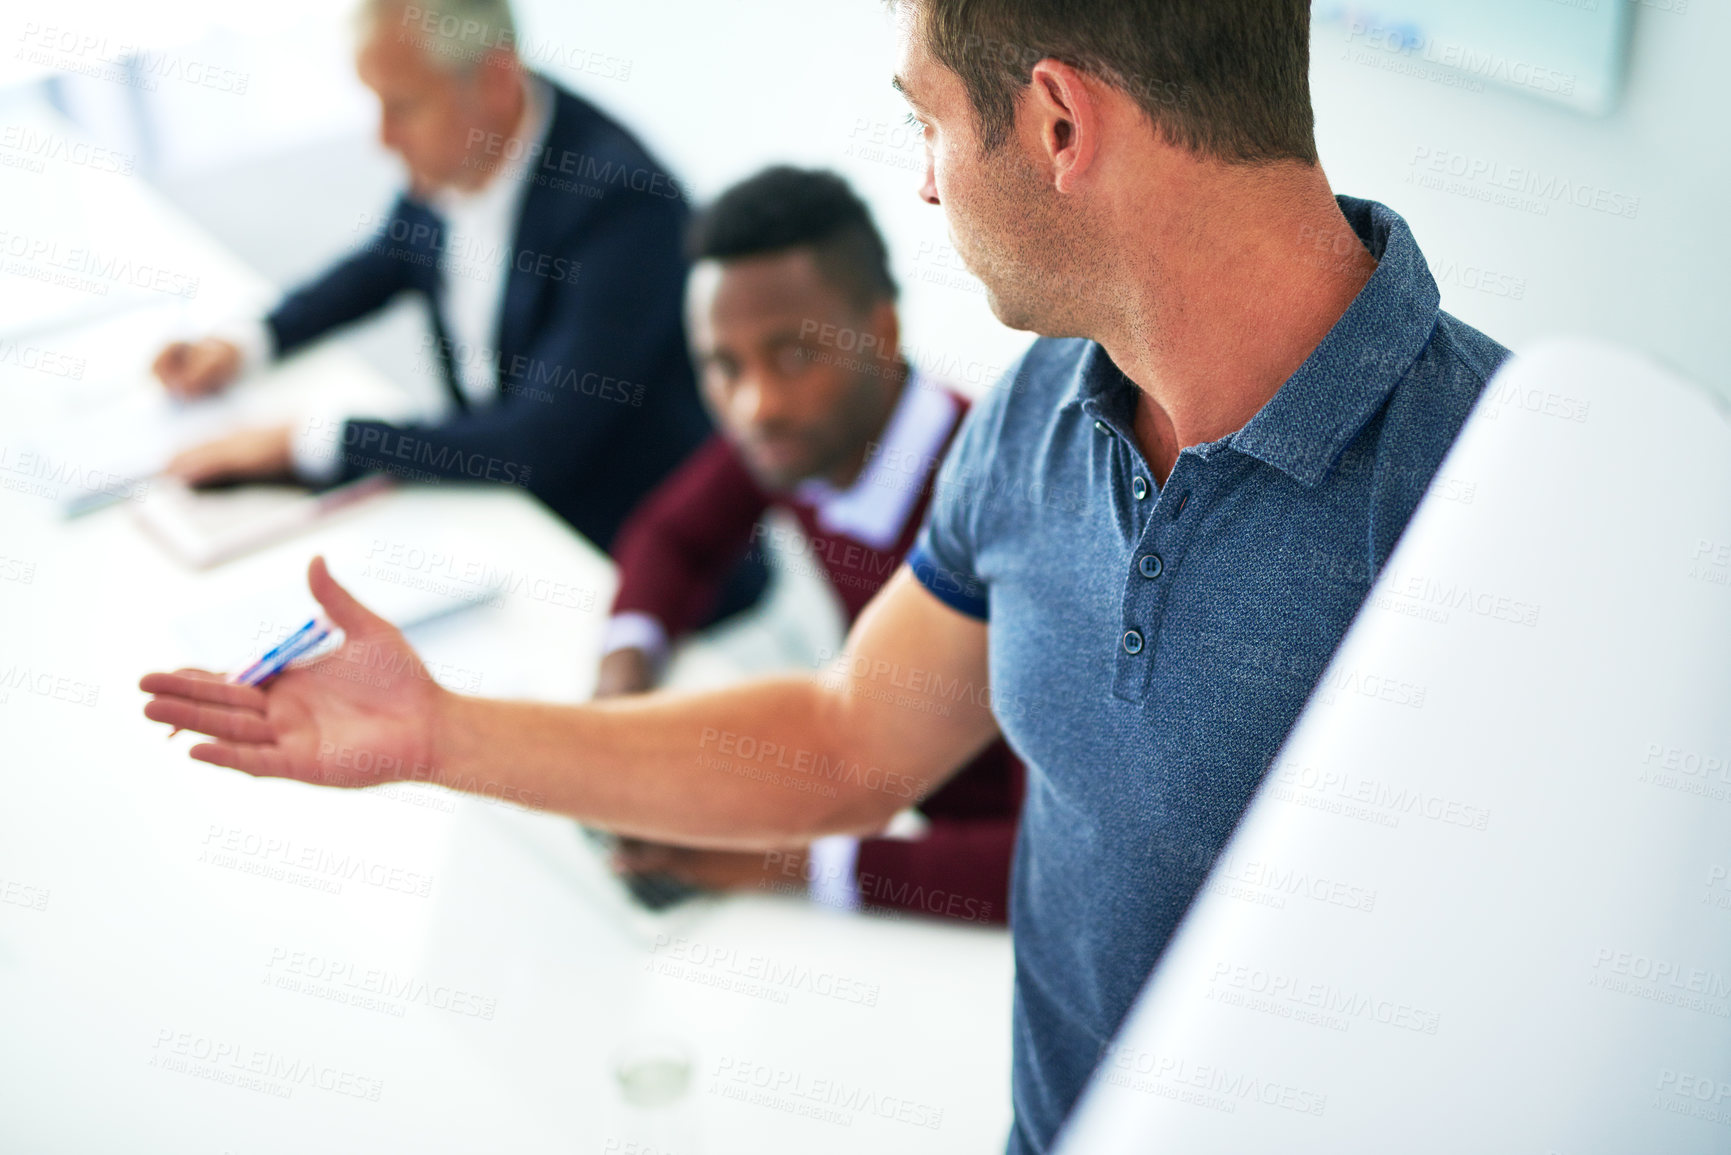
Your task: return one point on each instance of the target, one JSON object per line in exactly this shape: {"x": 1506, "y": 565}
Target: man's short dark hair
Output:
{"x": 784, "y": 208}
{"x": 1229, "y": 79}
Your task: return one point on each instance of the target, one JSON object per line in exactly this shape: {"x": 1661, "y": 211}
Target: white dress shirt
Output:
{"x": 475, "y": 259}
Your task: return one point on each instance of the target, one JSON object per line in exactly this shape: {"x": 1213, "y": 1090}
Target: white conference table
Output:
{"x": 192, "y": 960}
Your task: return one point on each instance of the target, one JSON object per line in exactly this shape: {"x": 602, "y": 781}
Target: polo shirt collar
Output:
{"x": 1305, "y": 426}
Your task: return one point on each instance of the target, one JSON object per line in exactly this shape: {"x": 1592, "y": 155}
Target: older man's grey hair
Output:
{"x": 456, "y": 35}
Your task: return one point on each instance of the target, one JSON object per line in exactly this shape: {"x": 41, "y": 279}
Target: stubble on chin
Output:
{"x": 1022, "y": 246}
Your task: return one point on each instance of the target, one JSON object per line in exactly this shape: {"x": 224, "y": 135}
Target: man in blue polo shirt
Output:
{"x": 1147, "y": 541}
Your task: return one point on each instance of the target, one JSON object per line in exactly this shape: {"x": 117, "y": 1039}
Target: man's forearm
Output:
{"x": 768, "y": 764}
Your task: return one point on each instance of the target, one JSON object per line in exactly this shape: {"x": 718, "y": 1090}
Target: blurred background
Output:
{"x": 1539, "y": 216}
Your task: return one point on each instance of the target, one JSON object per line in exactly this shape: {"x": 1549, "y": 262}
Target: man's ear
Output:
{"x": 1064, "y": 117}
{"x": 498, "y": 75}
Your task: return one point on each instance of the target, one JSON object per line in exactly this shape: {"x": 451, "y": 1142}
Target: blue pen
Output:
{"x": 277, "y": 659}
{"x": 273, "y": 652}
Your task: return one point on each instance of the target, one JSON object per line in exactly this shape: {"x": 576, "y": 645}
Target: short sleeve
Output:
{"x": 943, "y": 556}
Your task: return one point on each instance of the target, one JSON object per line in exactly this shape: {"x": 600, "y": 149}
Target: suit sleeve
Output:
{"x": 613, "y": 328}
{"x": 362, "y": 283}
{"x": 677, "y": 548}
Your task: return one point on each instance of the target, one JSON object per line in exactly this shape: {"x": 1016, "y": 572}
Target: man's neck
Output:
{"x": 1212, "y": 316}
{"x": 491, "y": 149}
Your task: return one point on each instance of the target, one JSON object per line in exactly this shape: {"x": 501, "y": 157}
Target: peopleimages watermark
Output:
{"x": 793, "y": 552}
{"x": 38, "y": 474}
{"x": 940, "y": 264}
{"x": 898, "y": 144}
{"x": 753, "y": 974}
{"x": 743, "y": 754}
{"x": 824, "y": 1100}
{"x": 1668, "y": 982}
{"x": 1718, "y": 892}
{"x": 471, "y": 577}
{"x": 892, "y": 897}
{"x": 1338, "y": 682}
{"x": 1522, "y": 187}
{"x": 1408, "y": 41}
{"x": 1434, "y": 599}
{"x": 391, "y": 770}
{"x": 378, "y": 989}
{"x": 1673, "y": 767}
{"x": 530, "y": 377}
{"x": 467, "y": 40}
{"x": 14, "y": 569}
{"x": 460, "y": 255}
{"x": 1480, "y": 279}
{"x": 86, "y": 268}
{"x": 27, "y": 679}
{"x": 1372, "y": 800}
{"x": 1320, "y": 1004}
{"x": 1695, "y": 1095}
{"x": 124, "y": 62}
{"x": 859, "y": 351}
{"x": 381, "y": 448}
{"x": 1265, "y": 883}
{"x": 567, "y": 170}
{"x": 928, "y": 691}
{"x": 36, "y": 359}
{"x": 315, "y": 867}
{"x": 34, "y": 149}
{"x": 15, "y": 893}
{"x": 238, "y": 1064}
{"x": 1711, "y": 562}
{"x": 1206, "y": 1085}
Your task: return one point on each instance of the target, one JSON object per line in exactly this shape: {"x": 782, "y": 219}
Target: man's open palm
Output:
{"x": 361, "y": 716}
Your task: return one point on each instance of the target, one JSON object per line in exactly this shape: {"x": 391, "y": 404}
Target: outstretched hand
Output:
{"x": 358, "y": 717}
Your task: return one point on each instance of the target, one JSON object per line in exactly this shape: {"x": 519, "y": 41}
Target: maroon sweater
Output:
{"x": 674, "y": 552}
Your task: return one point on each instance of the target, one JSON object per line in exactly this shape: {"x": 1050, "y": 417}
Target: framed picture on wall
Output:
{"x": 1568, "y": 51}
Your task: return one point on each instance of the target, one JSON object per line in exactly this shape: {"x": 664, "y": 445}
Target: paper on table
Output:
{"x": 204, "y": 527}
{"x": 112, "y": 448}
{"x": 227, "y": 634}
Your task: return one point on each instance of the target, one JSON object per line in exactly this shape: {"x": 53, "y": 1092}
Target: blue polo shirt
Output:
{"x": 1151, "y": 646}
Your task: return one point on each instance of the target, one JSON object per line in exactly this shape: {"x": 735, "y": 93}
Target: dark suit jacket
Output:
{"x": 597, "y": 402}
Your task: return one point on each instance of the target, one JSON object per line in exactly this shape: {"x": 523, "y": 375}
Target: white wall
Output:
{"x": 724, "y": 87}
{"x": 721, "y": 87}
{"x": 1656, "y": 280}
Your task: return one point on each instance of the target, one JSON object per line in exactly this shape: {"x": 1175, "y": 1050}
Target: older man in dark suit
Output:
{"x": 547, "y": 243}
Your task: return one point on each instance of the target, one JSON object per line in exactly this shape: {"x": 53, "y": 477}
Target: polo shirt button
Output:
{"x": 1132, "y": 642}
{"x": 1151, "y": 565}
{"x": 1139, "y": 487}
